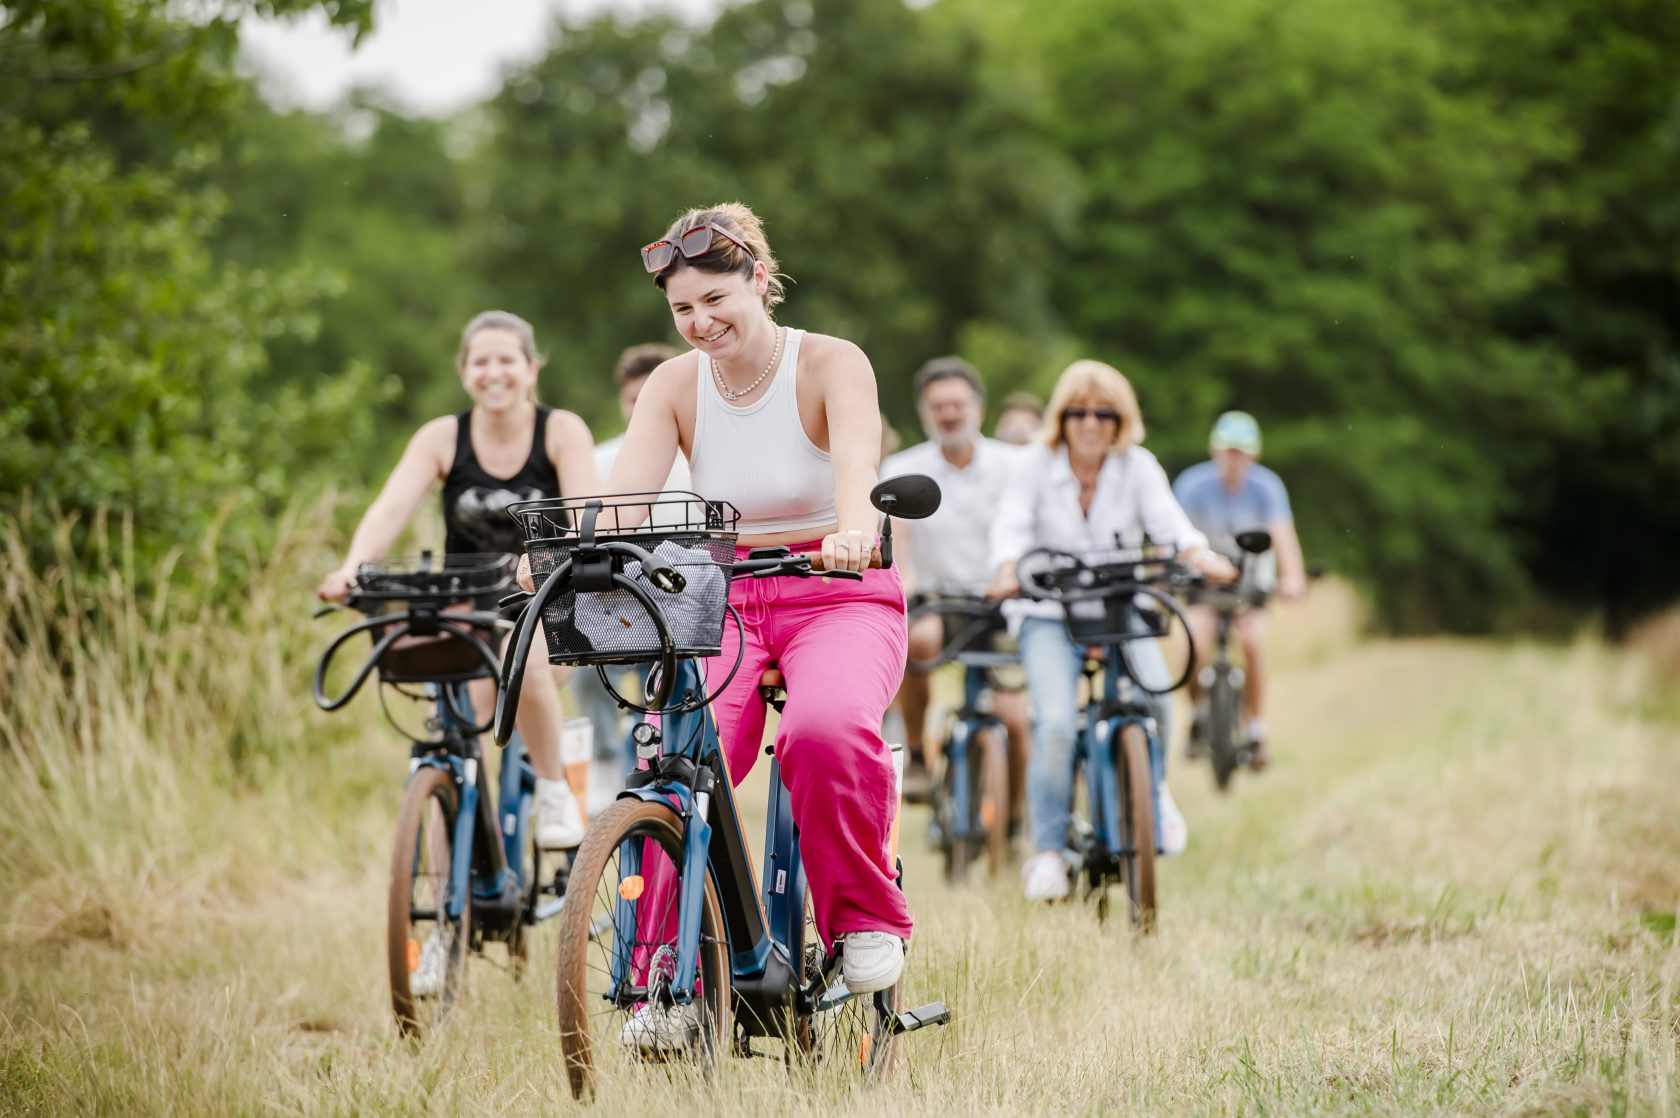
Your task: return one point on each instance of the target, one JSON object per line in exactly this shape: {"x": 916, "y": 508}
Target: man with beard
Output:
{"x": 949, "y": 551}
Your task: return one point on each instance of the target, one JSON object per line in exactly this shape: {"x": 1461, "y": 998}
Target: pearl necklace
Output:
{"x": 775, "y": 355}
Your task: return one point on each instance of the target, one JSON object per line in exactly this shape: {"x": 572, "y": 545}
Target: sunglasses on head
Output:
{"x": 693, "y": 244}
{"x": 1102, "y": 415}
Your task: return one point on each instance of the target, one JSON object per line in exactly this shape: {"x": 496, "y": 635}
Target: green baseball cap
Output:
{"x": 1236, "y": 430}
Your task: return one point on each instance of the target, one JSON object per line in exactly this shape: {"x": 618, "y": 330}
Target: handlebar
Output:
{"x": 978, "y": 617}
{"x": 1124, "y": 597}
{"x": 404, "y": 623}
{"x": 763, "y": 562}
{"x": 1062, "y": 576}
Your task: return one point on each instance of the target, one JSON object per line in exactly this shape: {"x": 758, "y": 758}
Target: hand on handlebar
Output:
{"x": 1005, "y": 584}
{"x": 336, "y": 586}
{"x": 1211, "y": 565}
{"x": 523, "y": 575}
{"x": 848, "y": 551}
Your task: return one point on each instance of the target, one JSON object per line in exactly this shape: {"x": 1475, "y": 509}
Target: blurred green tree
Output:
{"x": 131, "y": 360}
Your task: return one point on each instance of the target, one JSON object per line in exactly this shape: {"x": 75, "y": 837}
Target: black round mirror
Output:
{"x": 908, "y": 496}
{"x": 1254, "y": 542}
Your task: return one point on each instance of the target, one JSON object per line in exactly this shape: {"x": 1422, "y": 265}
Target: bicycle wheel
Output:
{"x": 853, "y": 1040}
{"x": 427, "y": 951}
{"x": 609, "y": 922}
{"x": 992, "y": 796}
{"x": 1137, "y": 809}
{"x": 1222, "y": 730}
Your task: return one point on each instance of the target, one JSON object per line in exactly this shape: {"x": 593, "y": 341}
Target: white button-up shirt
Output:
{"x": 951, "y": 549}
{"x": 1041, "y": 509}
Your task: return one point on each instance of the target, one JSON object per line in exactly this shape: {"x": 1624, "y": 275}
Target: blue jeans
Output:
{"x": 1053, "y": 664}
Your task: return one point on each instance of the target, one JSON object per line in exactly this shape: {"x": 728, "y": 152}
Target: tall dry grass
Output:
{"x": 141, "y": 736}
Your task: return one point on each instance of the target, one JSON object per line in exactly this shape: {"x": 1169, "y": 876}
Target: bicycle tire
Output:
{"x": 588, "y": 941}
{"x": 992, "y": 796}
{"x": 1137, "y": 808}
{"x": 1222, "y": 730}
{"x": 854, "y": 1039}
{"x": 421, "y": 856}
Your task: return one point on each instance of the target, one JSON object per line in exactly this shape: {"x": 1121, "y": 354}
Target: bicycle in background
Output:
{"x": 465, "y": 867}
{"x": 972, "y": 793}
{"x": 1218, "y": 723}
{"x": 742, "y": 951}
{"x": 1112, "y": 600}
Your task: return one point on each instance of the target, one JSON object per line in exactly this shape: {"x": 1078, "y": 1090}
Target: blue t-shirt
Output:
{"x": 1259, "y": 502}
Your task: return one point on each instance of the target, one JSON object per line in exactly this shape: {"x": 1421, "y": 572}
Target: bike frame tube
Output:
{"x": 712, "y": 839}
{"x": 784, "y": 877}
{"x": 1117, "y": 711}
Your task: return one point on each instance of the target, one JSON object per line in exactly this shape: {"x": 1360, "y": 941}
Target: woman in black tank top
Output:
{"x": 505, "y": 448}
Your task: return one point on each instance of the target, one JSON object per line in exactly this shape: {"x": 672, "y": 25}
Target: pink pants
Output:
{"x": 841, "y": 646}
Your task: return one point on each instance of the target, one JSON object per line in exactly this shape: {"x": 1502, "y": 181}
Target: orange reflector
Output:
{"x": 865, "y": 1047}
{"x": 631, "y": 887}
{"x": 413, "y": 955}
{"x": 988, "y": 815}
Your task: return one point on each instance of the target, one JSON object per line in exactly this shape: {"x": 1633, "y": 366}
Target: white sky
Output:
{"x": 434, "y": 55}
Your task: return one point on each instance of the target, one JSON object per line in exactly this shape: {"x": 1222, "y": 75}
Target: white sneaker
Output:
{"x": 559, "y": 822}
{"x": 871, "y": 961}
{"x": 657, "y": 1028}
{"x": 1175, "y": 832}
{"x": 1046, "y": 876}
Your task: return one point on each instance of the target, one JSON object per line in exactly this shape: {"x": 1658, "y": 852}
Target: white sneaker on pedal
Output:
{"x": 1175, "y": 832}
{"x": 658, "y": 1028}
{"x": 1046, "y": 876}
{"x": 559, "y": 820}
{"x": 870, "y": 961}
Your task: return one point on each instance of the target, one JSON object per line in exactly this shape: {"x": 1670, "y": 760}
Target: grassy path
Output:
{"x": 1455, "y": 893}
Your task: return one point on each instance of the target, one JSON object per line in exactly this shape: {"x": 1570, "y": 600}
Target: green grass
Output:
{"x": 1454, "y": 893}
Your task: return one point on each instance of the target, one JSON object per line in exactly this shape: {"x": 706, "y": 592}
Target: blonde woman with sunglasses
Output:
{"x": 1086, "y": 483}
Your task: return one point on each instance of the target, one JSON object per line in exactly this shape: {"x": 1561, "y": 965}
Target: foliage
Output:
{"x": 134, "y": 361}
{"x": 1431, "y": 245}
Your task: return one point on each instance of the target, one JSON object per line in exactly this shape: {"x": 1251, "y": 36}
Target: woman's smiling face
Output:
{"x": 497, "y": 372}
{"x": 716, "y": 313}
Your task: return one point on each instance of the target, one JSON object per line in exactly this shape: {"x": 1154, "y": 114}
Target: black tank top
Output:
{"x": 475, "y": 504}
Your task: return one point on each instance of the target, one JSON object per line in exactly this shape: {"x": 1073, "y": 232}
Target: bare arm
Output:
{"x": 422, "y": 463}
{"x": 572, "y": 450}
{"x": 651, "y": 444}
{"x": 1292, "y": 568}
{"x": 854, "y": 445}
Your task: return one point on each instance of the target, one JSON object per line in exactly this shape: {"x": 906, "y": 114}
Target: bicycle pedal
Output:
{"x": 837, "y": 994}
{"x": 933, "y": 1013}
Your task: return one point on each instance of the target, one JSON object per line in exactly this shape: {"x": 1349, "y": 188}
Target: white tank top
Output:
{"x": 758, "y": 457}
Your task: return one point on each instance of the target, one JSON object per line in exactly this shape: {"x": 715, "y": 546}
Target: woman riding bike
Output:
{"x": 1086, "y": 484}
{"x": 785, "y": 426}
{"x": 505, "y": 448}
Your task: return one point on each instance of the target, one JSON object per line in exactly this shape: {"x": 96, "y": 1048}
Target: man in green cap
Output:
{"x": 1233, "y": 493}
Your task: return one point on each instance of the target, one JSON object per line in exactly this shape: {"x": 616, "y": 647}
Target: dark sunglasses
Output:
{"x": 1105, "y": 415}
{"x": 693, "y": 244}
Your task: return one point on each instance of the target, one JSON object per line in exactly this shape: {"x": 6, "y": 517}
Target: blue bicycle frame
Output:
{"x": 494, "y": 884}
{"x": 767, "y": 931}
{"x": 1119, "y": 707}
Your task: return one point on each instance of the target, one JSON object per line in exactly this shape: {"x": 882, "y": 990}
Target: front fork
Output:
{"x": 1104, "y": 763}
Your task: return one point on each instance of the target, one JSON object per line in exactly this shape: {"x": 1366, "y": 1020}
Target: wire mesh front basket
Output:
{"x": 694, "y": 535}
{"x": 459, "y": 584}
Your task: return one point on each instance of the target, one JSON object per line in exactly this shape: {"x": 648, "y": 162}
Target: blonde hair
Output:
{"x": 499, "y": 320}
{"x": 1107, "y": 384}
{"x": 724, "y": 257}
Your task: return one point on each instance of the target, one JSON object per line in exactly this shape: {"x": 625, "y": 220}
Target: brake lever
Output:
{"x": 330, "y": 607}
